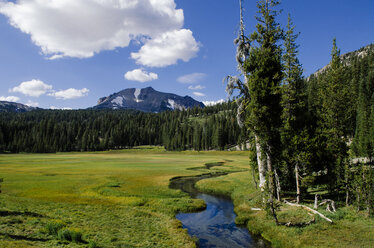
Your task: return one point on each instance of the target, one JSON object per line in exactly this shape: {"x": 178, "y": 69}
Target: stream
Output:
{"x": 215, "y": 226}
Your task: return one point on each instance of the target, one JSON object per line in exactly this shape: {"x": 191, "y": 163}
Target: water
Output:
{"x": 215, "y": 226}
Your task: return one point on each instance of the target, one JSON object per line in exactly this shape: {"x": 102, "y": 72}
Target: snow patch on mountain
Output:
{"x": 136, "y": 94}
{"x": 173, "y": 105}
{"x": 118, "y": 100}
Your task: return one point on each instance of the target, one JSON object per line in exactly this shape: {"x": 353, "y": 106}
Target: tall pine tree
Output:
{"x": 264, "y": 71}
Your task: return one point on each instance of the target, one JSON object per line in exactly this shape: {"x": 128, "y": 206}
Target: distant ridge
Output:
{"x": 347, "y": 57}
{"x": 13, "y": 107}
{"x": 146, "y": 100}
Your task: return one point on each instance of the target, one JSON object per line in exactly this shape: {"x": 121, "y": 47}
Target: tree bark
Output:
{"x": 309, "y": 209}
{"x": 278, "y": 186}
{"x": 297, "y": 184}
{"x": 261, "y": 165}
{"x": 315, "y": 201}
{"x": 271, "y": 187}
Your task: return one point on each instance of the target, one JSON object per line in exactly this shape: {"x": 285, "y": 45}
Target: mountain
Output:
{"x": 347, "y": 58}
{"x": 14, "y": 107}
{"x": 146, "y": 100}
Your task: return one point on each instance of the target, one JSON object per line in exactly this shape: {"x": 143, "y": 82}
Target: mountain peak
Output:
{"x": 14, "y": 107}
{"x": 146, "y": 100}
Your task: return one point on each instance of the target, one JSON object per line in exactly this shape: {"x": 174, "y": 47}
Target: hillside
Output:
{"x": 146, "y": 100}
{"x": 14, "y": 107}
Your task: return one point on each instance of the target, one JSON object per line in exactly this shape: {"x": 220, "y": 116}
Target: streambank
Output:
{"x": 214, "y": 226}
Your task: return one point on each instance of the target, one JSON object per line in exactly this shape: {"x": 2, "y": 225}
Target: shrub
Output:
{"x": 70, "y": 235}
{"x": 92, "y": 244}
{"x": 54, "y": 227}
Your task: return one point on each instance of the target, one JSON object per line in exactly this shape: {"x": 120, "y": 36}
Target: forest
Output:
{"x": 95, "y": 130}
{"x": 305, "y": 133}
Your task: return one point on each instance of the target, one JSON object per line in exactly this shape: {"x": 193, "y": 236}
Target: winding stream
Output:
{"x": 215, "y": 226}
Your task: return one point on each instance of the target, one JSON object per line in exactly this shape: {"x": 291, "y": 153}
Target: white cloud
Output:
{"x": 34, "y": 88}
{"x": 140, "y": 75}
{"x": 212, "y": 103}
{"x": 191, "y": 78}
{"x": 198, "y": 94}
{"x": 55, "y": 108}
{"x": 167, "y": 49}
{"x": 32, "y": 104}
{"x": 81, "y": 28}
{"x": 70, "y": 93}
{"x": 9, "y": 98}
{"x": 197, "y": 87}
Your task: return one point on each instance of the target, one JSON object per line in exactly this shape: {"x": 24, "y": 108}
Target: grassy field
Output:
{"x": 101, "y": 199}
{"x": 350, "y": 229}
{"x": 122, "y": 199}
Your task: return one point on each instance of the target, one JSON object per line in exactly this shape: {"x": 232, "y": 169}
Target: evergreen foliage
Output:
{"x": 94, "y": 130}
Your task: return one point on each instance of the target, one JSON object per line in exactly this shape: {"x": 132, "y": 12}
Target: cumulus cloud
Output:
{"x": 70, "y": 93}
{"x": 140, "y": 75}
{"x": 212, "y": 103}
{"x": 9, "y": 98}
{"x": 34, "y": 88}
{"x": 32, "y": 104}
{"x": 198, "y": 94}
{"x": 81, "y": 28}
{"x": 191, "y": 78}
{"x": 167, "y": 49}
{"x": 197, "y": 87}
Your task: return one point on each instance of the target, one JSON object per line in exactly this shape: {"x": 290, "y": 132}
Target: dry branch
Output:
{"x": 309, "y": 209}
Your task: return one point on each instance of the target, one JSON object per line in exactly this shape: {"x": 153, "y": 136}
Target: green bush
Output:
{"x": 92, "y": 244}
{"x": 70, "y": 235}
{"x": 54, "y": 227}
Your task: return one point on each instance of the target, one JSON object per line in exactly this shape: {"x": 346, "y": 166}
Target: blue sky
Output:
{"x": 68, "y": 54}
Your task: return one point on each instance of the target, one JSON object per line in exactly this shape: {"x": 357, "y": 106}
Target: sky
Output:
{"x": 66, "y": 54}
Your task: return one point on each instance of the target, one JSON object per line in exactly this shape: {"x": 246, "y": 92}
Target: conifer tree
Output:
{"x": 295, "y": 138}
{"x": 335, "y": 100}
{"x": 264, "y": 70}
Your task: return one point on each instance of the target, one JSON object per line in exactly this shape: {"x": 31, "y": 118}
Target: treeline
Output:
{"x": 94, "y": 130}
{"x": 305, "y": 133}
{"x": 341, "y": 107}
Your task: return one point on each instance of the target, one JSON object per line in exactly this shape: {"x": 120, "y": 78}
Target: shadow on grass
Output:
{"x": 21, "y": 237}
{"x": 207, "y": 166}
{"x": 4, "y": 213}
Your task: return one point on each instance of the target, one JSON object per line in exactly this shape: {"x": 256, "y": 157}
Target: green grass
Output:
{"x": 100, "y": 199}
{"x": 122, "y": 199}
{"x": 350, "y": 229}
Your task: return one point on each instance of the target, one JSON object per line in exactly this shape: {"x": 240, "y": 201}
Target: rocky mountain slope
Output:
{"x": 14, "y": 107}
{"x": 146, "y": 100}
{"x": 348, "y": 57}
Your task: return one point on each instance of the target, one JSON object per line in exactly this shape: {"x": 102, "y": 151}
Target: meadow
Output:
{"x": 122, "y": 199}
{"x": 100, "y": 199}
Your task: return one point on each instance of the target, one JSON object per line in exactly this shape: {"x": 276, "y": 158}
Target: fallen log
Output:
{"x": 329, "y": 203}
{"x": 309, "y": 209}
{"x": 256, "y": 209}
{"x": 302, "y": 224}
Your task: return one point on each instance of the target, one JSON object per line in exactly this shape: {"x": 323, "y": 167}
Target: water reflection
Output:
{"x": 215, "y": 226}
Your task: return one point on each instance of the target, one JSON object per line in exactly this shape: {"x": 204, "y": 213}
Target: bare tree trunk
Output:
{"x": 297, "y": 184}
{"x": 358, "y": 200}
{"x": 347, "y": 184}
{"x": 261, "y": 165}
{"x": 346, "y": 197}
{"x": 309, "y": 209}
{"x": 254, "y": 176}
{"x": 271, "y": 187}
{"x": 315, "y": 201}
{"x": 277, "y": 182}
